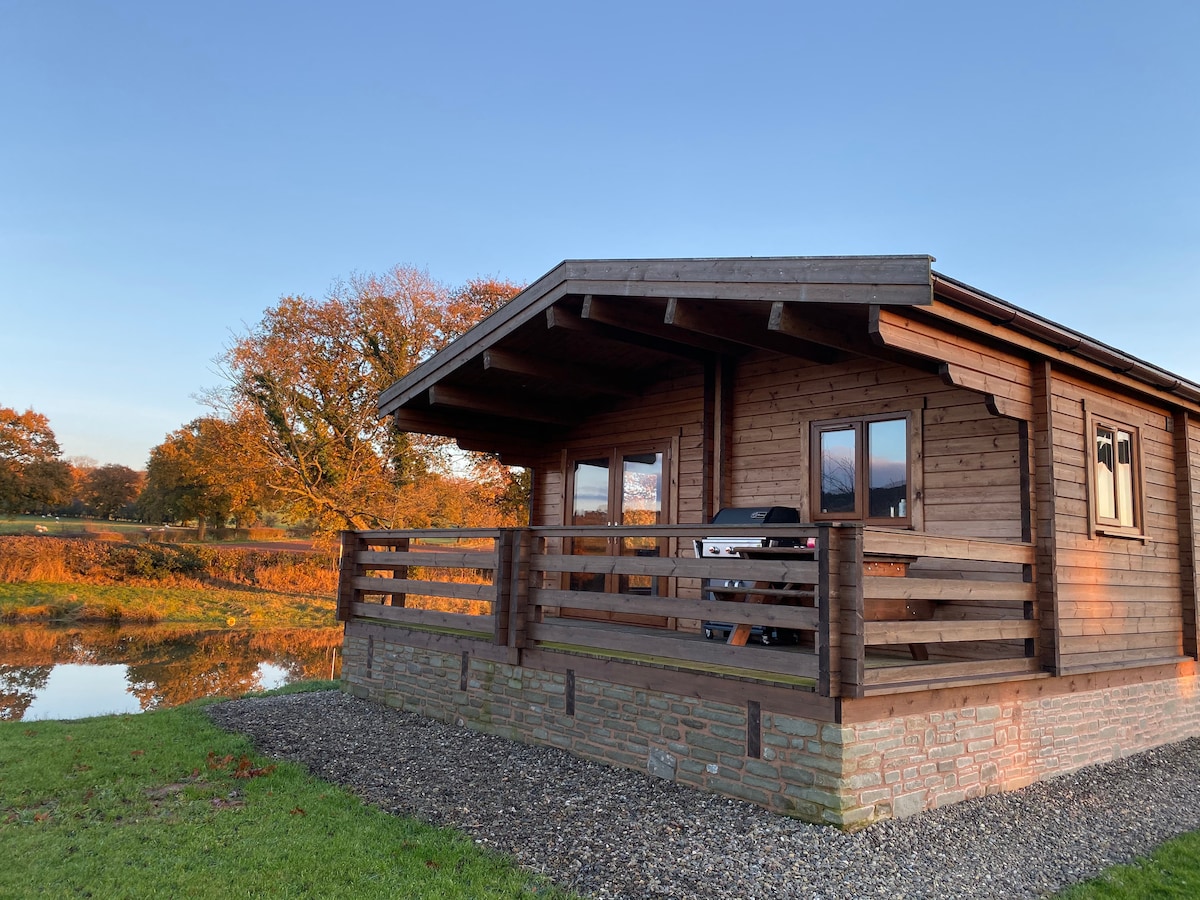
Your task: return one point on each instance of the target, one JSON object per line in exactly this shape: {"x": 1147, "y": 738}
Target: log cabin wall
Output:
{"x": 669, "y": 413}
{"x": 968, "y": 472}
{"x": 1119, "y": 598}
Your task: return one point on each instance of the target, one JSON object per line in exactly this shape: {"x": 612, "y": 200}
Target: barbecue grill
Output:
{"x": 727, "y": 548}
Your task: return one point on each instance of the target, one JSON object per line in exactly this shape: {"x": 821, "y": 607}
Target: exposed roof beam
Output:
{"x": 647, "y": 319}
{"x": 473, "y": 433}
{"x": 742, "y": 325}
{"x": 591, "y": 378}
{"x": 790, "y": 319}
{"x": 557, "y": 317}
{"x": 492, "y": 405}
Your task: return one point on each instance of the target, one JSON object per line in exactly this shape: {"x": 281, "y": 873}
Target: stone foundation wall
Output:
{"x": 903, "y": 765}
{"x": 842, "y": 774}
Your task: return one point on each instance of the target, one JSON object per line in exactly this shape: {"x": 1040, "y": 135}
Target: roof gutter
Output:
{"x": 1004, "y": 313}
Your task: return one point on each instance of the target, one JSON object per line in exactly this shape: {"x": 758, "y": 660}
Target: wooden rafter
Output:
{"x": 472, "y": 432}
{"x": 557, "y": 317}
{"x": 743, "y": 324}
{"x": 493, "y": 405}
{"x": 591, "y": 378}
{"x": 646, "y": 318}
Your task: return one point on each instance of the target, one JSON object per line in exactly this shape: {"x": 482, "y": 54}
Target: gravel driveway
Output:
{"x": 610, "y": 833}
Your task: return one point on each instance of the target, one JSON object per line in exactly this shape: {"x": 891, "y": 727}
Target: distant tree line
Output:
{"x": 34, "y": 478}
{"x": 293, "y": 434}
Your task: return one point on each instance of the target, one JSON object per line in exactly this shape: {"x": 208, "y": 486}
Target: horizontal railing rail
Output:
{"x": 968, "y": 590}
{"x": 857, "y": 594}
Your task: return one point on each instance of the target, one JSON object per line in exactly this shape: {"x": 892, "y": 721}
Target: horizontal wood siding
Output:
{"x": 668, "y": 413}
{"x": 1119, "y": 598}
{"x": 970, "y": 465}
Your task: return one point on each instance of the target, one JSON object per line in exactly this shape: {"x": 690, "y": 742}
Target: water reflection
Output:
{"x": 48, "y": 672}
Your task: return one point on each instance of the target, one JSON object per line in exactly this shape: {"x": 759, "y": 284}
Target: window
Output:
{"x": 1115, "y": 486}
{"x": 861, "y": 469}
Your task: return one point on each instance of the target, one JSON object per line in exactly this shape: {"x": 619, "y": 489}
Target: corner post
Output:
{"x": 348, "y": 568}
{"x": 842, "y": 648}
{"x": 1187, "y": 492}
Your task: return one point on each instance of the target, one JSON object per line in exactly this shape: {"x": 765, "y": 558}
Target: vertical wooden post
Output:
{"x": 518, "y": 605}
{"x": 502, "y": 582}
{"x": 1028, "y": 504}
{"x": 840, "y": 641}
{"x": 399, "y": 545}
{"x": 1187, "y": 494}
{"x": 1046, "y": 499}
{"x": 854, "y": 647}
{"x": 348, "y": 568}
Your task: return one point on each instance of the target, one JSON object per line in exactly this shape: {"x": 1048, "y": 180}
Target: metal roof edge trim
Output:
{"x": 1004, "y": 313}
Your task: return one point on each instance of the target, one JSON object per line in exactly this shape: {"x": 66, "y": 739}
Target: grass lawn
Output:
{"x": 164, "y": 804}
{"x": 1172, "y": 871}
{"x": 71, "y": 602}
{"x": 28, "y": 525}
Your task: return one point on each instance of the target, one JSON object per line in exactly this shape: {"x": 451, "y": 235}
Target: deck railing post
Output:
{"x": 348, "y": 568}
{"x": 518, "y": 603}
{"x": 841, "y": 649}
{"x": 502, "y": 599}
{"x": 401, "y": 545}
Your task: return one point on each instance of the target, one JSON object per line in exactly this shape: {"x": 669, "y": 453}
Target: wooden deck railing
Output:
{"x": 860, "y": 629}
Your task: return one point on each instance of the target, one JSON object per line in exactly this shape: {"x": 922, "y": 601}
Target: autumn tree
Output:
{"x": 197, "y": 473}
{"x": 31, "y": 473}
{"x": 303, "y": 385}
{"x": 110, "y": 489}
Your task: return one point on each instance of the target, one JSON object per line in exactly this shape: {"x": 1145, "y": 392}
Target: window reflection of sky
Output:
{"x": 888, "y": 443}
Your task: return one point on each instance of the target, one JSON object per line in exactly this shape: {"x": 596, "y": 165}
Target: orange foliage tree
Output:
{"x": 301, "y": 396}
{"x": 31, "y": 474}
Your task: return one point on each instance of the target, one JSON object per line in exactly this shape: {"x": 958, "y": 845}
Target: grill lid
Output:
{"x": 757, "y": 515}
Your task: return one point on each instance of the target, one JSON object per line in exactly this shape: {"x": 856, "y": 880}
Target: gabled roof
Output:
{"x": 592, "y": 331}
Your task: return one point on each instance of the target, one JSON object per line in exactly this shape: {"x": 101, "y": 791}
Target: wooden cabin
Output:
{"x": 990, "y": 580}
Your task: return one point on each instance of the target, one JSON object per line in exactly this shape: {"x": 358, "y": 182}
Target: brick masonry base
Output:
{"x": 846, "y": 775}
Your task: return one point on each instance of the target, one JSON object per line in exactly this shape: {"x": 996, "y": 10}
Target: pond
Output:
{"x": 49, "y": 672}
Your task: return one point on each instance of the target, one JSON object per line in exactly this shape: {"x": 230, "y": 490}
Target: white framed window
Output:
{"x": 1115, "y": 483}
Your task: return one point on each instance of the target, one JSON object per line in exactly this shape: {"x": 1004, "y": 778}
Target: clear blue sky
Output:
{"x": 169, "y": 170}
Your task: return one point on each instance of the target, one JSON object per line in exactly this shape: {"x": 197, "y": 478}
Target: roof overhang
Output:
{"x": 593, "y": 329}
{"x": 591, "y": 333}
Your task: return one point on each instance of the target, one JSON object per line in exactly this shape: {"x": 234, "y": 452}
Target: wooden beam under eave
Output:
{"x": 492, "y": 405}
{"x": 647, "y": 319}
{"x": 587, "y": 378}
{"x": 557, "y": 317}
{"x": 490, "y": 438}
{"x": 796, "y": 320}
{"x": 742, "y": 326}
{"x": 1003, "y": 398}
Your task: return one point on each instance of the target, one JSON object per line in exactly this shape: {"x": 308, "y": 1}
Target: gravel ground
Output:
{"x": 613, "y": 833}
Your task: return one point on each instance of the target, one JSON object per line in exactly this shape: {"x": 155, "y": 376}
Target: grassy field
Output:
{"x": 65, "y": 602}
{"x": 66, "y": 526}
{"x": 71, "y": 527}
{"x": 164, "y": 804}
